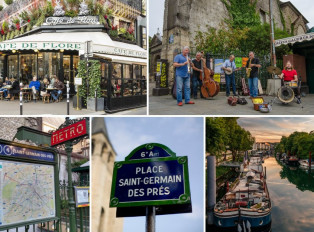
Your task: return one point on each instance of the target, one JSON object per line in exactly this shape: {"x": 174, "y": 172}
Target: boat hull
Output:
{"x": 228, "y": 223}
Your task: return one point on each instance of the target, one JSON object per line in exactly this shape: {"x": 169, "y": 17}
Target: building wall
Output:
{"x": 103, "y": 157}
{"x": 183, "y": 18}
{"x": 9, "y": 126}
{"x": 293, "y": 20}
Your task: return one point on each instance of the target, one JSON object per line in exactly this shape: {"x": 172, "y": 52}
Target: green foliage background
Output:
{"x": 241, "y": 33}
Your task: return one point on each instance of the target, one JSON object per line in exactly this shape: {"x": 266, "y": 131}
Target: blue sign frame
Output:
{"x": 150, "y": 175}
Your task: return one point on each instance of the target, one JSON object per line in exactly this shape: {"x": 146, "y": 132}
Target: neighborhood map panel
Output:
{"x": 27, "y": 192}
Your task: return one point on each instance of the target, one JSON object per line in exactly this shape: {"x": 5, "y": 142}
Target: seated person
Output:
{"x": 14, "y": 90}
{"x": 290, "y": 74}
{"x": 59, "y": 86}
{"x": 4, "y": 90}
{"x": 35, "y": 86}
{"x": 43, "y": 87}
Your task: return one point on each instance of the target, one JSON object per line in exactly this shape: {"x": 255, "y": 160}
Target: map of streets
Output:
{"x": 26, "y": 192}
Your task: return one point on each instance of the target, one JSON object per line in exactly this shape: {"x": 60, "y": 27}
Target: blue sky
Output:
{"x": 182, "y": 135}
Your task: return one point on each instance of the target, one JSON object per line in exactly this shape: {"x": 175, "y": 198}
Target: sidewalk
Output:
{"x": 166, "y": 105}
{"x": 60, "y": 108}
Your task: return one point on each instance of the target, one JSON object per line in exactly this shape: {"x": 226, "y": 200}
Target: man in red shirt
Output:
{"x": 290, "y": 74}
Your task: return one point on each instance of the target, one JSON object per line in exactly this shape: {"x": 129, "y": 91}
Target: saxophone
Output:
{"x": 249, "y": 69}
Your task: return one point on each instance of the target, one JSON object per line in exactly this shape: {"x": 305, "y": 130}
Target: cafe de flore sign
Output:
{"x": 151, "y": 175}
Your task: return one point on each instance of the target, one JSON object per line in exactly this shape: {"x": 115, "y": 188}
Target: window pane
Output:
{"x": 127, "y": 88}
{"x": 12, "y": 66}
{"x": 137, "y": 71}
{"x": 28, "y": 67}
{"x": 127, "y": 71}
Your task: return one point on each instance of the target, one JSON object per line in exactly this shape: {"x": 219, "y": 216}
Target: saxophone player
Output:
{"x": 252, "y": 67}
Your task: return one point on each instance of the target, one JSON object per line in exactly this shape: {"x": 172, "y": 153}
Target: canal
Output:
{"x": 292, "y": 195}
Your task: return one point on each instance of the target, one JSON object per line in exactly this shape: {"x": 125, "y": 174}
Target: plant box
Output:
{"x": 100, "y": 104}
{"x": 80, "y": 101}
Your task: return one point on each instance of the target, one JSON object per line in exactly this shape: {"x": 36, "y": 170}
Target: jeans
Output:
{"x": 253, "y": 86}
{"x": 183, "y": 81}
{"x": 195, "y": 82}
{"x": 230, "y": 78}
{"x": 5, "y": 92}
{"x": 54, "y": 96}
{"x": 34, "y": 92}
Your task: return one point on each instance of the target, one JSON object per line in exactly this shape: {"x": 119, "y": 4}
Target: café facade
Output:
{"x": 57, "y": 46}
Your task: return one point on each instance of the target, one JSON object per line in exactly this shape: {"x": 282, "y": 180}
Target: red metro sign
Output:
{"x": 68, "y": 133}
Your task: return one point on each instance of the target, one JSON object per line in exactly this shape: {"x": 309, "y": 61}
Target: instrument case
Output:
{"x": 258, "y": 101}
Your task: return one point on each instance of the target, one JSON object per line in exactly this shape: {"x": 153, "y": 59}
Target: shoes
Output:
{"x": 190, "y": 102}
{"x": 235, "y": 95}
{"x": 227, "y": 95}
{"x": 195, "y": 97}
{"x": 180, "y": 104}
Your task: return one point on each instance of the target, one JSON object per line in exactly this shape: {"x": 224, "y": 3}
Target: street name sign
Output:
{"x": 29, "y": 185}
{"x": 151, "y": 175}
{"x": 68, "y": 133}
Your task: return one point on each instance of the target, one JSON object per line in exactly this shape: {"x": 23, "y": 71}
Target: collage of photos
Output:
{"x": 156, "y": 115}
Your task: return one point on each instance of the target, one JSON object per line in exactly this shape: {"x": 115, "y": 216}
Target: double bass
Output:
{"x": 209, "y": 87}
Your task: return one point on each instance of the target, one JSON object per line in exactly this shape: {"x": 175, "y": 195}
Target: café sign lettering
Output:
{"x": 40, "y": 45}
{"x": 119, "y": 51}
{"x": 68, "y": 133}
{"x": 85, "y": 20}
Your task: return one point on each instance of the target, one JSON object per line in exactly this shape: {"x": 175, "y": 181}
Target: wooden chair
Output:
{"x": 46, "y": 98}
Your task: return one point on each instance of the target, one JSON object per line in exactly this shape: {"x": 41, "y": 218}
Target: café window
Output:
{"x": 116, "y": 80}
{"x": 104, "y": 79}
{"x": 13, "y": 66}
{"x": 2, "y": 77}
{"x": 28, "y": 67}
{"x": 127, "y": 80}
{"x": 48, "y": 64}
{"x": 143, "y": 33}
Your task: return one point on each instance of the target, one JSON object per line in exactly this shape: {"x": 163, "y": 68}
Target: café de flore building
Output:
{"x": 57, "y": 46}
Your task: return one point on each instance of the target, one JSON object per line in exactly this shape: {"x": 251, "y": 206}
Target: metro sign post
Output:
{"x": 67, "y": 134}
{"x": 151, "y": 175}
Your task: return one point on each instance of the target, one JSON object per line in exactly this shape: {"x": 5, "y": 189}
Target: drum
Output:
{"x": 285, "y": 94}
{"x": 292, "y": 84}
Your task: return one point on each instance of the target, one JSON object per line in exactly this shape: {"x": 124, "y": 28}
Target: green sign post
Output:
{"x": 151, "y": 175}
{"x": 29, "y": 185}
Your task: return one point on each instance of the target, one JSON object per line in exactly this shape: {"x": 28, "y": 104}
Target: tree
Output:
{"x": 215, "y": 136}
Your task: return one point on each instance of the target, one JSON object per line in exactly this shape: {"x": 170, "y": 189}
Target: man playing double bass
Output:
{"x": 197, "y": 70}
{"x": 181, "y": 63}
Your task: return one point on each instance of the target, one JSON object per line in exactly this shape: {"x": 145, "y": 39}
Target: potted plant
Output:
{"x": 94, "y": 78}
{"x": 16, "y": 21}
{"x": 80, "y": 96}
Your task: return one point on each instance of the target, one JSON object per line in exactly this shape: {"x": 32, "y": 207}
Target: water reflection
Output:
{"x": 292, "y": 195}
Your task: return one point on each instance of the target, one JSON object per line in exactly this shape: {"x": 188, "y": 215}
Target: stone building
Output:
{"x": 103, "y": 156}
{"x": 155, "y": 47}
{"x": 184, "y": 18}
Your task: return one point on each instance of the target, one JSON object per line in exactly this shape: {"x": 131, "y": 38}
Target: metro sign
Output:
{"x": 73, "y": 131}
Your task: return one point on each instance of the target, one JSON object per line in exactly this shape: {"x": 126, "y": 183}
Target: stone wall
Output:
{"x": 9, "y": 126}
{"x": 292, "y": 18}
{"x": 103, "y": 157}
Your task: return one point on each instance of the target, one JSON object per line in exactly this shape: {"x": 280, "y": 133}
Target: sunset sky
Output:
{"x": 271, "y": 129}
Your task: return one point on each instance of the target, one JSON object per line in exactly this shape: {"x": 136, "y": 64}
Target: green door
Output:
{"x": 310, "y": 73}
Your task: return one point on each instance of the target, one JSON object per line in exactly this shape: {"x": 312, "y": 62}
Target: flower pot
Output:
{"x": 80, "y": 102}
{"x": 100, "y": 104}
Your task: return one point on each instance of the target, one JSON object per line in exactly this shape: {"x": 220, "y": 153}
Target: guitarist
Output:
{"x": 182, "y": 63}
{"x": 229, "y": 67}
